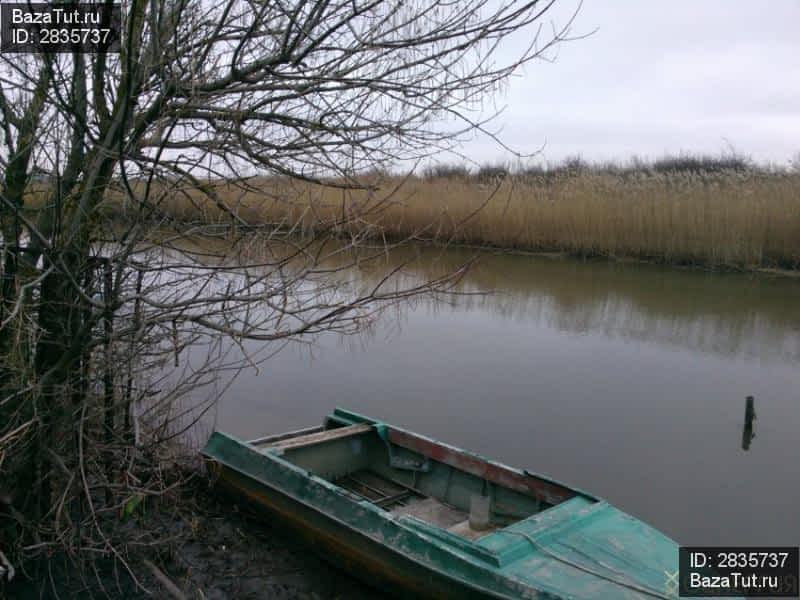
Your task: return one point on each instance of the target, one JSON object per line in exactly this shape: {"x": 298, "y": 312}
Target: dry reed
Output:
{"x": 736, "y": 219}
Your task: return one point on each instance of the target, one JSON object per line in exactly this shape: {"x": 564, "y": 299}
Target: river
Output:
{"x": 625, "y": 380}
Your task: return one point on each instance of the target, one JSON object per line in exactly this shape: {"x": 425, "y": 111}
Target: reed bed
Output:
{"x": 733, "y": 218}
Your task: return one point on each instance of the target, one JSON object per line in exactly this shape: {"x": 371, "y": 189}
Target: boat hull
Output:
{"x": 375, "y": 564}
{"x": 394, "y": 509}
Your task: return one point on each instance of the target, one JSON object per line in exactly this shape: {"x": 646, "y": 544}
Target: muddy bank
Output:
{"x": 210, "y": 549}
{"x": 229, "y": 552}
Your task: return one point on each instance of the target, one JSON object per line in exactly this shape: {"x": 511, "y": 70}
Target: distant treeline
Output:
{"x": 575, "y": 166}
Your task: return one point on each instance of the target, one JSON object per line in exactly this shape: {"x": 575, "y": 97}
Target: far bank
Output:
{"x": 727, "y": 220}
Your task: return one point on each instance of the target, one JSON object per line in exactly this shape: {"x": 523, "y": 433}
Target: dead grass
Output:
{"x": 737, "y": 219}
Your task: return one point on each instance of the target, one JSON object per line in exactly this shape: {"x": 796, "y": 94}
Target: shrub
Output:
{"x": 443, "y": 171}
{"x": 492, "y": 173}
{"x": 702, "y": 163}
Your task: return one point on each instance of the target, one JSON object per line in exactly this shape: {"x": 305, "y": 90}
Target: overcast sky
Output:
{"x": 658, "y": 77}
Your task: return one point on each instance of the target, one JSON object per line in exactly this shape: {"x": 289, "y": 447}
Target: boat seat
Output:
{"x": 321, "y": 436}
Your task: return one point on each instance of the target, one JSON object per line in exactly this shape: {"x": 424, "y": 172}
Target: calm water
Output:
{"x": 626, "y": 381}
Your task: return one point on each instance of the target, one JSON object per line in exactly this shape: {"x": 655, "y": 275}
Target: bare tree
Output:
{"x": 107, "y": 290}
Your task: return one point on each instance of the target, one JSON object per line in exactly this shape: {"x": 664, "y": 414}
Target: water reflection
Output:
{"x": 729, "y": 315}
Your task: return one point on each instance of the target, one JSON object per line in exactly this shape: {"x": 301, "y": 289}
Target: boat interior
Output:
{"x": 410, "y": 475}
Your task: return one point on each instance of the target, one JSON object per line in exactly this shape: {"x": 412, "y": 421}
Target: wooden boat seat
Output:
{"x": 320, "y": 436}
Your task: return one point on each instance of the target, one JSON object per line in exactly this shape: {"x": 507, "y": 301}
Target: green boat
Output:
{"x": 419, "y": 518}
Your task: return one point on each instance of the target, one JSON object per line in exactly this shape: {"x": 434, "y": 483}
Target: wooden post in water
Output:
{"x": 749, "y": 412}
{"x": 749, "y": 417}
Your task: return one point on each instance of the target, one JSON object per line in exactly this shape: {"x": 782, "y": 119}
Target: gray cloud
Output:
{"x": 661, "y": 77}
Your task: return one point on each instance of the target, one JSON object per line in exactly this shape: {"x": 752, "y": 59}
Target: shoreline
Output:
{"x": 720, "y": 268}
{"x": 213, "y": 548}
{"x": 397, "y": 241}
